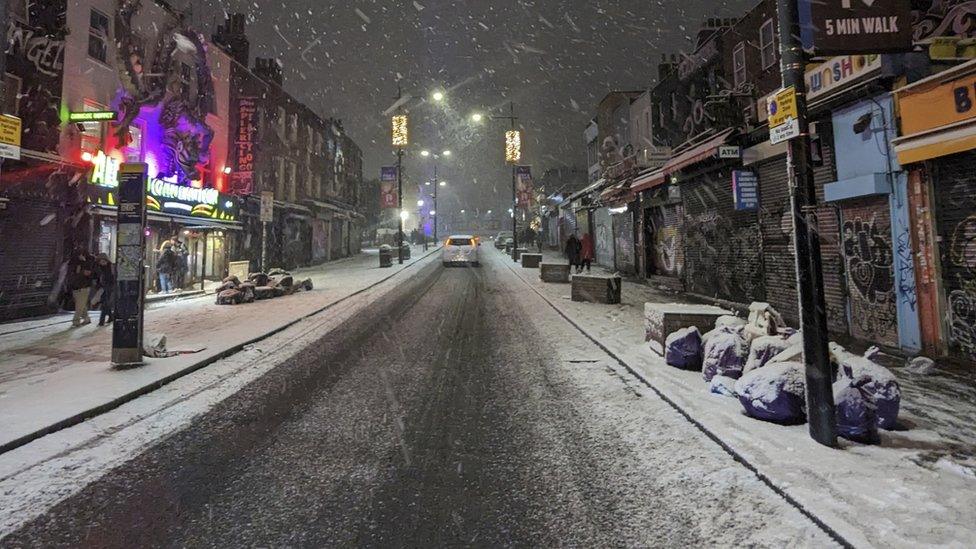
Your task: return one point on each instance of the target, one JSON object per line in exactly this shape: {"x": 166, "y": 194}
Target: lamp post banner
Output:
{"x": 388, "y": 187}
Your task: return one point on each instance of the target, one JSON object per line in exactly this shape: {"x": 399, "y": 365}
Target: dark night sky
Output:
{"x": 554, "y": 58}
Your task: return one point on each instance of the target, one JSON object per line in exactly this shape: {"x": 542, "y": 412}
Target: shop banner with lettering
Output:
{"x": 388, "y": 187}
{"x": 523, "y": 186}
{"x": 242, "y": 178}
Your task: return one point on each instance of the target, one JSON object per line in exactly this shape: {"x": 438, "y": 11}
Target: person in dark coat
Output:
{"x": 573, "y": 247}
{"x": 105, "y": 288}
{"x": 166, "y": 266}
{"x": 79, "y": 281}
{"x": 587, "y": 252}
{"x": 182, "y": 264}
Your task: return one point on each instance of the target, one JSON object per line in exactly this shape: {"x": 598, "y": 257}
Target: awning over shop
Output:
{"x": 698, "y": 152}
{"x": 587, "y": 190}
{"x": 619, "y": 193}
{"x": 648, "y": 180}
{"x": 943, "y": 141}
{"x": 186, "y": 221}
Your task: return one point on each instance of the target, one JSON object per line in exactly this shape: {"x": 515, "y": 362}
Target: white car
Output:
{"x": 460, "y": 249}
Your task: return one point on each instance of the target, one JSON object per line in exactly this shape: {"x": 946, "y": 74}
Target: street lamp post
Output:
{"x": 513, "y": 153}
{"x": 427, "y": 154}
{"x": 400, "y": 140}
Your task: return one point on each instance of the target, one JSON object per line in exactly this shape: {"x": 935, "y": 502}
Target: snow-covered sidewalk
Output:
{"x": 918, "y": 488}
{"x": 53, "y": 375}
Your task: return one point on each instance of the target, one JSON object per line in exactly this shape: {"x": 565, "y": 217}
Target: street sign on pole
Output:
{"x": 784, "y": 122}
{"x": 130, "y": 250}
{"x": 267, "y": 207}
{"x": 267, "y": 216}
{"x": 844, "y": 27}
{"x": 10, "y": 133}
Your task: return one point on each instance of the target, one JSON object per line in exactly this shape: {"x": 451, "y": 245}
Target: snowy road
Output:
{"x": 463, "y": 411}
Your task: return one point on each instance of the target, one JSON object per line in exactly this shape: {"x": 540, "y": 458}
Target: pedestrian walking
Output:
{"x": 166, "y": 266}
{"x": 182, "y": 263}
{"x": 573, "y": 247}
{"x": 587, "y": 252}
{"x": 79, "y": 282}
{"x": 104, "y": 295}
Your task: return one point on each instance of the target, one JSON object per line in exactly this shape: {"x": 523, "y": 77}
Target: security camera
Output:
{"x": 863, "y": 123}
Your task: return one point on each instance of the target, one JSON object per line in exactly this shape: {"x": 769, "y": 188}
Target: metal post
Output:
{"x": 400, "y": 205}
{"x": 264, "y": 247}
{"x": 515, "y": 244}
{"x": 809, "y": 268}
{"x": 436, "y": 184}
{"x": 203, "y": 263}
{"x": 3, "y": 60}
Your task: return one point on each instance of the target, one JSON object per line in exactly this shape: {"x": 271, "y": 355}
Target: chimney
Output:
{"x": 232, "y": 38}
{"x": 269, "y": 70}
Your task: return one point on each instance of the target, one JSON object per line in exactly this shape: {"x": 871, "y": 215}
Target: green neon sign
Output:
{"x": 93, "y": 116}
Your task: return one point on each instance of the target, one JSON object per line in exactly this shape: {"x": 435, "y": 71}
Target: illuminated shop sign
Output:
{"x": 93, "y": 116}
{"x": 164, "y": 196}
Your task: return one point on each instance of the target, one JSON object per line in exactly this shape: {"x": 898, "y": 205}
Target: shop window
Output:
{"x": 292, "y": 182}
{"x": 11, "y": 100}
{"x": 133, "y": 151}
{"x": 739, "y": 64}
{"x": 281, "y": 122}
{"x": 98, "y": 36}
{"x": 279, "y": 178}
{"x": 92, "y": 132}
{"x": 767, "y": 44}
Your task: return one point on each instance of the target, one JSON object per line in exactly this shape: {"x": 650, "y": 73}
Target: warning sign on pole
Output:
{"x": 783, "y": 121}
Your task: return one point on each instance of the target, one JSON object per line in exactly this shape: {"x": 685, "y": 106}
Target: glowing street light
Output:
{"x": 443, "y": 183}
{"x": 446, "y": 153}
{"x": 477, "y": 117}
{"x": 420, "y": 203}
{"x": 404, "y": 215}
{"x": 400, "y": 132}
{"x": 438, "y": 96}
{"x": 513, "y": 146}
{"x": 425, "y": 153}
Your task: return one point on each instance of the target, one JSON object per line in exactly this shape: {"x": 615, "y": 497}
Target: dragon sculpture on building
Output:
{"x": 178, "y": 81}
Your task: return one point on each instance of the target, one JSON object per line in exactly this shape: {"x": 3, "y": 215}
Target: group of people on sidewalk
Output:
{"x": 580, "y": 251}
{"x": 91, "y": 283}
{"x": 172, "y": 265}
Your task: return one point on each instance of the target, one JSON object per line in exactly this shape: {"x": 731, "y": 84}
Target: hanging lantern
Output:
{"x": 400, "y": 132}
{"x": 513, "y": 146}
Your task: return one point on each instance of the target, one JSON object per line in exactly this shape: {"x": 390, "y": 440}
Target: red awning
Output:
{"x": 698, "y": 152}
{"x": 648, "y": 180}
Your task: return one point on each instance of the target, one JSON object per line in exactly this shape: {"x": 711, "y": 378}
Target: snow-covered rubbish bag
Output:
{"x": 855, "y": 413}
{"x": 774, "y": 393}
{"x": 764, "y": 348}
{"x": 875, "y": 381}
{"x": 722, "y": 385}
{"x": 724, "y": 353}
{"x": 683, "y": 349}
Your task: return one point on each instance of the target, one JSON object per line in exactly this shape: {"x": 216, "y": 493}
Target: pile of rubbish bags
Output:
{"x": 275, "y": 283}
{"x": 759, "y": 361}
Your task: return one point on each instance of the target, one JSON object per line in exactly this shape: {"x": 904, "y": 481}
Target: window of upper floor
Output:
{"x": 98, "y": 37}
{"x": 767, "y": 44}
{"x": 739, "y": 74}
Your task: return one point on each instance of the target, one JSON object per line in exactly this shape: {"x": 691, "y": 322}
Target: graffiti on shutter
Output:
{"x": 866, "y": 238}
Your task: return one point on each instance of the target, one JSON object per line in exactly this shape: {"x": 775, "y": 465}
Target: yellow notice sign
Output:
{"x": 782, "y": 107}
{"x": 10, "y": 132}
{"x": 783, "y": 122}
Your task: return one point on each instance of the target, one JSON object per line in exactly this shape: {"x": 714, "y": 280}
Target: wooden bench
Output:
{"x": 531, "y": 261}
{"x": 597, "y": 289}
{"x": 660, "y": 319}
{"x": 554, "y": 272}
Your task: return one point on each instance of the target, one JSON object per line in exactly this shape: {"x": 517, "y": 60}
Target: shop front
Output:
{"x": 938, "y": 148}
{"x": 201, "y": 223}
